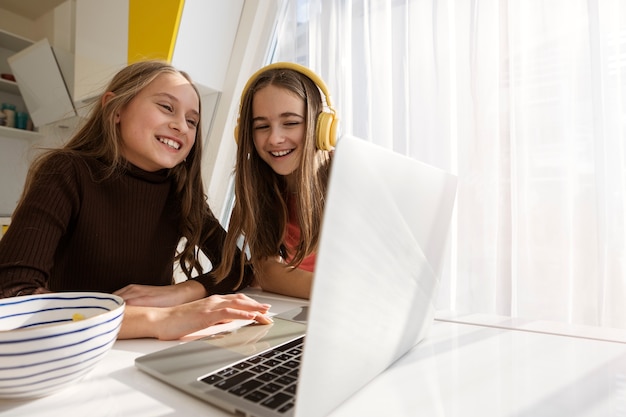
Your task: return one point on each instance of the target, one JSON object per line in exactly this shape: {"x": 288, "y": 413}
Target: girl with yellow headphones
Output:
{"x": 285, "y": 135}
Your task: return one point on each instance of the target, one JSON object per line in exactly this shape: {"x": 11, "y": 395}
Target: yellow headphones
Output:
{"x": 326, "y": 125}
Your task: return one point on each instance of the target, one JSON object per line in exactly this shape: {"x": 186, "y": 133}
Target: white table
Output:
{"x": 467, "y": 366}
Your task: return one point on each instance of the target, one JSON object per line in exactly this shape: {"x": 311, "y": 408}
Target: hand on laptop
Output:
{"x": 190, "y": 317}
{"x": 174, "y": 322}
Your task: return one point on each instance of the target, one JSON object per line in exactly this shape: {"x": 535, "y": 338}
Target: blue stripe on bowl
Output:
{"x": 58, "y": 347}
{"x": 105, "y": 343}
{"x": 43, "y": 310}
{"x": 31, "y": 386}
{"x": 56, "y": 309}
{"x": 50, "y": 336}
{"x": 58, "y": 296}
{"x": 13, "y": 301}
{"x": 100, "y": 351}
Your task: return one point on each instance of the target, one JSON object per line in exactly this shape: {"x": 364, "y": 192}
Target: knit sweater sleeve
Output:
{"x": 41, "y": 219}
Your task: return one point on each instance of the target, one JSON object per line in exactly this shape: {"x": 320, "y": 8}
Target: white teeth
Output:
{"x": 169, "y": 142}
{"x": 280, "y": 153}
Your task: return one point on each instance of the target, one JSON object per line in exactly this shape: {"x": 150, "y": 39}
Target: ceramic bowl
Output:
{"x": 49, "y": 341}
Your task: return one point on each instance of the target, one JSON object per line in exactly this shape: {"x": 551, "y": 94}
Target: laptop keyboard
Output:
{"x": 269, "y": 378}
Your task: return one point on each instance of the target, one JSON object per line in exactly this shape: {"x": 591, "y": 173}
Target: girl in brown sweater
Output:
{"x": 107, "y": 211}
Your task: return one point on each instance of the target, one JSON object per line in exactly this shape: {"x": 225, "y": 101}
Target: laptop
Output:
{"x": 377, "y": 274}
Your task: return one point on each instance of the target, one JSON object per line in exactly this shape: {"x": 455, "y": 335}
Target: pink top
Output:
{"x": 293, "y": 236}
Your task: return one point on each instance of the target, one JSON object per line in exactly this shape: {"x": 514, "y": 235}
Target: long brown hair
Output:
{"x": 100, "y": 138}
{"x": 260, "y": 211}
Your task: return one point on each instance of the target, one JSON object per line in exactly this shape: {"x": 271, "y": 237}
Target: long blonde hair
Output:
{"x": 100, "y": 138}
{"x": 260, "y": 212}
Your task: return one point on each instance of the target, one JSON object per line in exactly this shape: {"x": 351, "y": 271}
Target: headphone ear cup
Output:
{"x": 326, "y": 131}
{"x": 236, "y": 131}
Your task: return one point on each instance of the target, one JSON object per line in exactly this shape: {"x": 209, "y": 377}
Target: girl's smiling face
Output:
{"x": 158, "y": 126}
{"x": 279, "y": 126}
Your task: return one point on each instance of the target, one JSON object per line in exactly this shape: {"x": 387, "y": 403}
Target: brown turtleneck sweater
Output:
{"x": 74, "y": 233}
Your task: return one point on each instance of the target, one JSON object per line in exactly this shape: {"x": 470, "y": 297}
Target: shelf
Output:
{"x": 13, "y": 42}
{"x": 9, "y": 45}
{"x": 12, "y": 132}
{"x": 9, "y": 86}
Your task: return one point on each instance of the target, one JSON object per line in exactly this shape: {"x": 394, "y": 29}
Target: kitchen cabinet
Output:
{"x": 41, "y": 83}
{"x": 61, "y": 73}
{"x": 9, "y": 91}
{"x": 15, "y": 144}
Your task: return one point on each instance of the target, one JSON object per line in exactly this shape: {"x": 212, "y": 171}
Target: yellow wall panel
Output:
{"x": 152, "y": 28}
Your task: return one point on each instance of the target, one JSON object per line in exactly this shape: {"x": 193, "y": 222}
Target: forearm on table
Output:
{"x": 190, "y": 290}
{"x": 139, "y": 322}
{"x": 279, "y": 278}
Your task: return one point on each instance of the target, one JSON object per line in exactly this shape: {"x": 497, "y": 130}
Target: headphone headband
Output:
{"x": 326, "y": 127}
{"x": 292, "y": 66}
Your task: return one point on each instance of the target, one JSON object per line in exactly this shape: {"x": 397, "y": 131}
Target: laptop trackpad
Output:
{"x": 188, "y": 362}
{"x": 299, "y": 314}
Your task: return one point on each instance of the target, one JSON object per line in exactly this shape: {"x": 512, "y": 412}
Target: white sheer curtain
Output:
{"x": 524, "y": 101}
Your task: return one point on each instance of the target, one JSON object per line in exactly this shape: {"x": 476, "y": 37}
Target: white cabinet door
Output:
{"x": 41, "y": 84}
